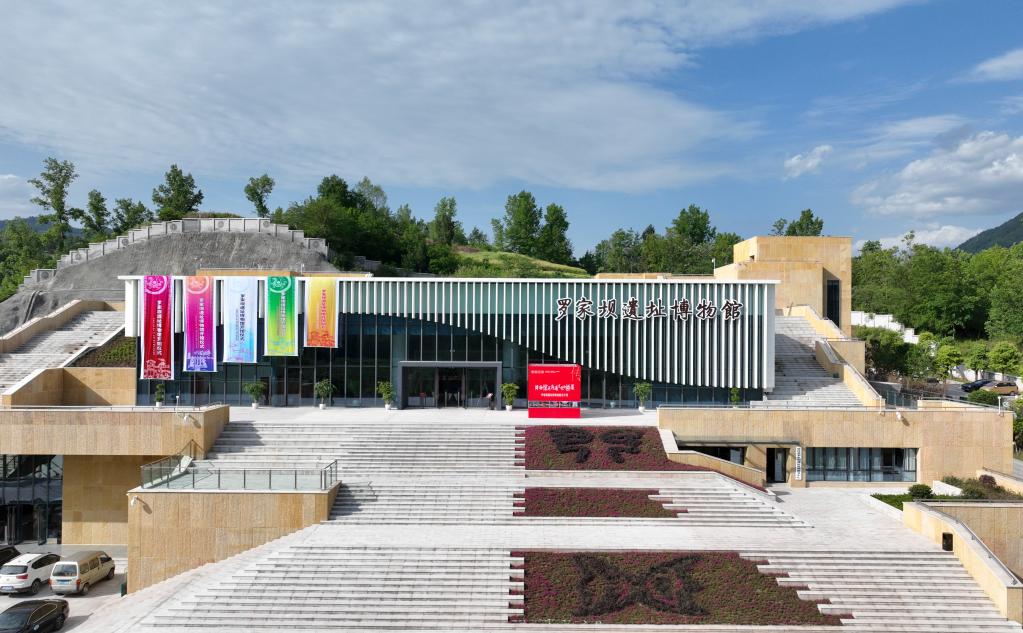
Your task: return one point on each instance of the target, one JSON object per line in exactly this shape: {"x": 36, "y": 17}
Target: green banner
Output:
{"x": 281, "y": 337}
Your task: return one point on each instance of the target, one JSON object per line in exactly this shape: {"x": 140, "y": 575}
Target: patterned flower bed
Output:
{"x": 593, "y": 502}
{"x": 596, "y": 448}
{"x": 659, "y": 588}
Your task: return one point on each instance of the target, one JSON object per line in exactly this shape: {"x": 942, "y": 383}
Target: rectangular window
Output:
{"x": 861, "y": 464}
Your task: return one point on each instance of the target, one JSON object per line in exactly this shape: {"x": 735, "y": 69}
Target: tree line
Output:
{"x": 357, "y": 220}
{"x": 969, "y": 305}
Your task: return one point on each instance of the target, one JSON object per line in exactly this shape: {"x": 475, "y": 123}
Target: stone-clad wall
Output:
{"x": 172, "y": 532}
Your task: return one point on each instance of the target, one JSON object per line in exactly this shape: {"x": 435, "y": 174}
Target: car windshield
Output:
{"x": 65, "y": 570}
{"x": 13, "y": 620}
{"x": 12, "y": 570}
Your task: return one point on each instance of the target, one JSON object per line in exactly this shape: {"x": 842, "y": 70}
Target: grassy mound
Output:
{"x": 502, "y": 264}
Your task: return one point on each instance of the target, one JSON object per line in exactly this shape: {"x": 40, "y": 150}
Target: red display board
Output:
{"x": 554, "y": 391}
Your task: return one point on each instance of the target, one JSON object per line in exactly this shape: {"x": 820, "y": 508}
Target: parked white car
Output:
{"x": 26, "y": 573}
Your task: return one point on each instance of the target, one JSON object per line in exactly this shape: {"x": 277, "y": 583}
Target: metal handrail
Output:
{"x": 169, "y": 467}
{"x": 991, "y": 555}
{"x": 114, "y": 408}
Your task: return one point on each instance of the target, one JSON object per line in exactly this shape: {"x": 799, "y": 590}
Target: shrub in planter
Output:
{"x": 987, "y": 481}
{"x": 983, "y": 397}
{"x": 255, "y": 390}
{"x": 323, "y": 389}
{"x": 508, "y": 392}
{"x": 160, "y": 394}
{"x": 386, "y": 391}
{"x": 921, "y": 491}
{"x": 642, "y": 391}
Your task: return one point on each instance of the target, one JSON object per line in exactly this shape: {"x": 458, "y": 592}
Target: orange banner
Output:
{"x": 321, "y": 312}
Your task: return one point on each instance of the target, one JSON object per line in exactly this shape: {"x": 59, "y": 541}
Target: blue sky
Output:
{"x": 881, "y": 115}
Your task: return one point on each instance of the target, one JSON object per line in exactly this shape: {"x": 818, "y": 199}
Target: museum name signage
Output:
{"x": 632, "y": 310}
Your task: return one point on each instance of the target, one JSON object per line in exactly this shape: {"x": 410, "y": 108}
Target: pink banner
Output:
{"x": 200, "y": 328}
{"x": 157, "y": 335}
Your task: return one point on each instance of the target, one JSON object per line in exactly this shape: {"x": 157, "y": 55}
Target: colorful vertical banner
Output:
{"x": 281, "y": 337}
{"x": 200, "y": 326}
{"x": 321, "y": 312}
{"x": 157, "y": 328}
{"x": 240, "y": 299}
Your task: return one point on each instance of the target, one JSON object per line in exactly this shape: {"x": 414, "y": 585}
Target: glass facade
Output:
{"x": 374, "y": 347}
{"x": 31, "y": 493}
{"x": 861, "y": 464}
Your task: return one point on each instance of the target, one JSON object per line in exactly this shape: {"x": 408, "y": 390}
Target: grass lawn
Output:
{"x": 896, "y": 501}
{"x": 659, "y": 588}
{"x": 597, "y": 448}
{"x": 593, "y": 502}
{"x": 503, "y": 264}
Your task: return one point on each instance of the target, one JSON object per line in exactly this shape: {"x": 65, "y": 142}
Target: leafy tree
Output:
{"x": 693, "y": 224}
{"x": 975, "y": 356}
{"x": 943, "y": 298}
{"x": 22, "y": 249}
{"x": 722, "y": 251}
{"x": 589, "y": 263}
{"x": 373, "y": 194}
{"x": 1004, "y": 357}
{"x": 177, "y": 196}
{"x": 521, "y": 223}
{"x": 619, "y": 253}
{"x": 553, "y": 243}
{"x": 95, "y": 218}
{"x": 498, "y": 230}
{"x": 876, "y": 272}
{"x": 412, "y": 237}
{"x": 920, "y": 357}
{"x": 444, "y": 228}
{"x": 257, "y": 191}
{"x": 129, "y": 214}
{"x": 947, "y": 357}
{"x": 806, "y": 225}
{"x": 478, "y": 239}
{"x": 1005, "y": 318}
{"x": 886, "y": 352}
{"x": 52, "y": 185}
{"x": 778, "y": 227}
{"x": 443, "y": 259}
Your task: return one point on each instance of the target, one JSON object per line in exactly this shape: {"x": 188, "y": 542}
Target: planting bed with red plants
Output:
{"x": 593, "y": 502}
{"x": 659, "y": 588}
{"x": 597, "y": 448}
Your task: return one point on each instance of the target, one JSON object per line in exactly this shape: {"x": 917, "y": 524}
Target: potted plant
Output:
{"x": 255, "y": 391}
{"x": 733, "y": 397}
{"x": 642, "y": 391}
{"x": 323, "y": 390}
{"x": 160, "y": 394}
{"x": 386, "y": 391}
{"x": 508, "y": 391}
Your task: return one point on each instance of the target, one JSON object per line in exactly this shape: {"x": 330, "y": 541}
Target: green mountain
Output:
{"x": 1005, "y": 234}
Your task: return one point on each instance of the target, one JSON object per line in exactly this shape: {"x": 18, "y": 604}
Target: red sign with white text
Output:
{"x": 554, "y": 391}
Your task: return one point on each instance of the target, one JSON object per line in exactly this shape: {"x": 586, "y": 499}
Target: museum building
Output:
{"x": 447, "y": 342}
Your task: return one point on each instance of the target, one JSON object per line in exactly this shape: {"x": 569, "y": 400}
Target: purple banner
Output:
{"x": 200, "y": 330}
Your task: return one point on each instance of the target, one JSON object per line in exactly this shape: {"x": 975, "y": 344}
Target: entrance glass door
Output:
{"x": 776, "y": 465}
{"x": 452, "y": 387}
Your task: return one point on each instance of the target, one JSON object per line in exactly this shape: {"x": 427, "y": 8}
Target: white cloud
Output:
{"x": 15, "y": 196}
{"x": 933, "y": 234}
{"x": 981, "y": 174}
{"x": 1012, "y": 105}
{"x": 899, "y": 138}
{"x": 796, "y": 166}
{"x": 552, "y": 93}
{"x": 1002, "y": 68}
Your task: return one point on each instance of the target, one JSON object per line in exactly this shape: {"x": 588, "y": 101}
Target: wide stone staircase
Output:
{"x": 716, "y": 503}
{"x": 889, "y": 591}
{"x": 799, "y": 379}
{"x": 56, "y": 347}
{"x": 370, "y": 450}
{"x": 344, "y": 588}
